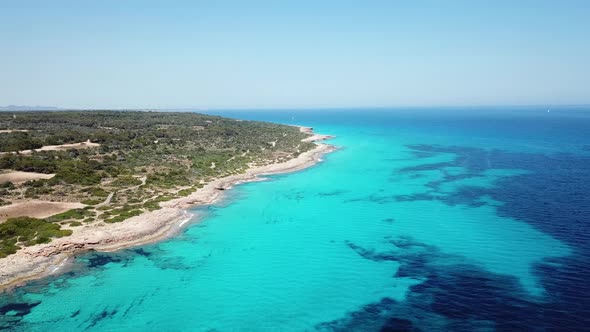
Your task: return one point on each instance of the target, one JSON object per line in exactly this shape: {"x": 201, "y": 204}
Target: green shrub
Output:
{"x": 124, "y": 216}
{"x": 28, "y": 231}
{"x": 71, "y": 214}
{"x": 151, "y": 205}
{"x": 7, "y": 185}
{"x": 126, "y": 181}
{"x": 96, "y": 191}
{"x": 36, "y": 191}
{"x": 92, "y": 201}
{"x": 185, "y": 192}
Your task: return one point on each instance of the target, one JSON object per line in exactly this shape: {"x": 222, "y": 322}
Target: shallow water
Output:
{"x": 462, "y": 220}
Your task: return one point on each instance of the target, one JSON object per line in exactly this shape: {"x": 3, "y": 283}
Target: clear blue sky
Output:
{"x": 250, "y": 54}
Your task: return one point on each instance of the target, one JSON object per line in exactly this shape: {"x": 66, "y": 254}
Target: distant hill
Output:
{"x": 28, "y": 108}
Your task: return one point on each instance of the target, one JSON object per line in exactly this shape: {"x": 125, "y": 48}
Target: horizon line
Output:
{"x": 266, "y": 108}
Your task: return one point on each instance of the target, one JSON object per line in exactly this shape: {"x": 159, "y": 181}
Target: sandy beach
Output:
{"x": 45, "y": 259}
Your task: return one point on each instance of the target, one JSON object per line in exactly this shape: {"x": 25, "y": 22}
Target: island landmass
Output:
{"x": 105, "y": 180}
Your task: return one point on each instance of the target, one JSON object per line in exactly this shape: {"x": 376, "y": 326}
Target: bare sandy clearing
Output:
{"x": 18, "y": 177}
{"x": 12, "y": 130}
{"x": 81, "y": 145}
{"x": 36, "y": 209}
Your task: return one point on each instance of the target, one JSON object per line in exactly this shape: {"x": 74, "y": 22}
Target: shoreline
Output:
{"x": 43, "y": 260}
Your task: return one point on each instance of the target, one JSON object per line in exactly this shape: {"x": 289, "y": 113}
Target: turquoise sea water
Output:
{"x": 461, "y": 220}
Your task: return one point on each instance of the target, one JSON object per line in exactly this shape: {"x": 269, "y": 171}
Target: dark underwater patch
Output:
{"x": 371, "y": 317}
{"x": 142, "y": 252}
{"x": 332, "y": 193}
{"x": 417, "y": 154}
{"x": 172, "y": 263}
{"x": 415, "y": 197}
{"x": 374, "y": 198}
{"x": 435, "y": 185}
{"x": 18, "y": 309}
{"x": 295, "y": 195}
{"x": 553, "y": 196}
{"x": 426, "y": 167}
{"x": 135, "y": 303}
{"x": 398, "y": 325}
{"x": 553, "y": 193}
{"x": 412, "y": 256}
{"x": 96, "y": 260}
{"x": 456, "y": 296}
{"x": 99, "y": 317}
{"x": 12, "y": 314}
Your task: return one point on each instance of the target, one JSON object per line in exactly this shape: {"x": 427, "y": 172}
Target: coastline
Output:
{"x": 42, "y": 260}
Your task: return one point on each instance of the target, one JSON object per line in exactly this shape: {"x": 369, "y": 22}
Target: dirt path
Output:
{"x": 107, "y": 201}
{"x": 81, "y": 145}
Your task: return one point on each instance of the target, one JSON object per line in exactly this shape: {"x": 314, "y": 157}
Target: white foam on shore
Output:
{"x": 58, "y": 267}
{"x": 189, "y": 216}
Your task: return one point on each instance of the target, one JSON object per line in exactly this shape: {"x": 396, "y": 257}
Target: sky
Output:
{"x": 293, "y": 54}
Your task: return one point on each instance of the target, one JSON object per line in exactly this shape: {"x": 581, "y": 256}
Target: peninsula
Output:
{"x": 105, "y": 180}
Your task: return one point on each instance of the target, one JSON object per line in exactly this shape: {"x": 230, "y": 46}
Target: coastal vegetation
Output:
{"x": 25, "y": 231}
{"x": 124, "y": 163}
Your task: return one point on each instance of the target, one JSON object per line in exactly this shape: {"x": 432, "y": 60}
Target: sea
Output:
{"x": 424, "y": 219}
